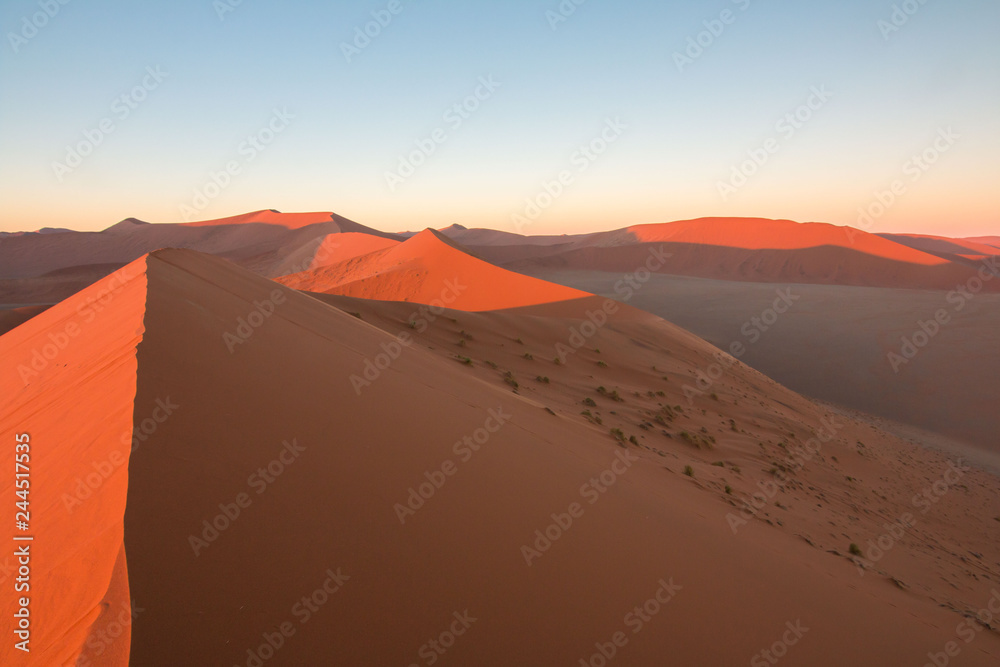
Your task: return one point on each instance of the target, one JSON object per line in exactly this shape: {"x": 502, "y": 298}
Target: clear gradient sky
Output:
{"x": 681, "y": 129}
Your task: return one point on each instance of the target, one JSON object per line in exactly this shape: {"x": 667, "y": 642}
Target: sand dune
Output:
{"x": 337, "y": 248}
{"x": 833, "y": 343}
{"x": 15, "y": 317}
{"x": 430, "y": 268}
{"x": 951, "y": 249}
{"x": 748, "y": 249}
{"x": 765, "y": 234}
{"x": 471, "y": 237}
{"x": 319, "y": 556}
{"x": 267, "y": 217}
{"x": 267, "y": 242}
{"x": 53, "y": 287}
{"x": 993, "y": 241}
{"x": 46, "y": 268}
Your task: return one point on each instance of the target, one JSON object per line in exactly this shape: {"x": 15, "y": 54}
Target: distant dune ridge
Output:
{"x": 993, "y": 241}
{"x": 748, "y": 249}
{"x": 951, "y": 249}
{"x": 265, "y": 506}
{"x": 44, "y": 268}
{"x": 262, "y": 241}
{"x": 324, "y": 252}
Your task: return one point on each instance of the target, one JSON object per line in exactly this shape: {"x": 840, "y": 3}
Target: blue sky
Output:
{"x": 681, "y": 148}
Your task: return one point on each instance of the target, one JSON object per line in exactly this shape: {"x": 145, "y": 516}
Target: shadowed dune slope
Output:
{"x": 15, "y": 317}
{"x": 55, "y": 286}
{"x": 951, "y": 249}
{"x": 337, "y": 248}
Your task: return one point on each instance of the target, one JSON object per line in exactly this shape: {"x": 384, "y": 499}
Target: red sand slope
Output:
{"x": 760, "y": 233}
{"x": 68, "y": 378}
{"x": 430, "y": 268}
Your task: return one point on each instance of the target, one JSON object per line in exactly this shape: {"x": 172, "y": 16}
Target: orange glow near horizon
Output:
{"x": 573, "y": 215}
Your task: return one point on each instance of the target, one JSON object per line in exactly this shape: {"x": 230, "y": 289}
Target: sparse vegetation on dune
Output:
{"x": 509, "y": 378}
{"x": 613, "y": 395}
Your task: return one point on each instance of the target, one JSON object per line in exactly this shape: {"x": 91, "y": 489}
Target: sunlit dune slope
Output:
{"x": 428, "y": 268}
{"x": 69, "y": 378}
